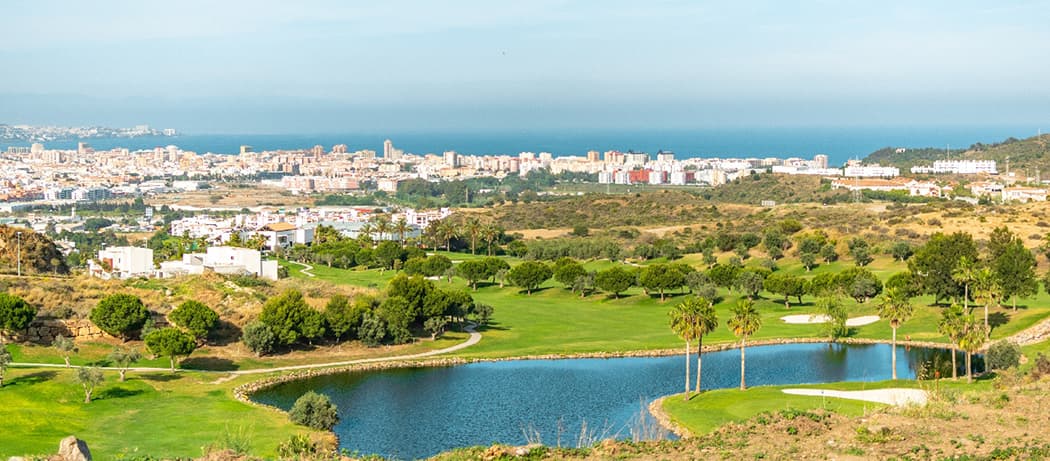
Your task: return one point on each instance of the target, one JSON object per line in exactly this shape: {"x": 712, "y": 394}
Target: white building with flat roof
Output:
{"x": 222, "y": 260}
{"x": 122, "y": 263}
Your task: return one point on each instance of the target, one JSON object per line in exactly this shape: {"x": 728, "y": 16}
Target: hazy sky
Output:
{"x": 281, "y": 66}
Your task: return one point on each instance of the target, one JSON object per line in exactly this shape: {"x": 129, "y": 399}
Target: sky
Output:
{"x": 264, "y": 66}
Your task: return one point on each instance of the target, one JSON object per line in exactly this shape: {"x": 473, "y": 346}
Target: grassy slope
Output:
{"x": 712, "y": 409}
{"x": 159, "y": 414}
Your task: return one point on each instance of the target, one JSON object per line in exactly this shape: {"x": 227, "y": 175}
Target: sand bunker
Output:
{"x": 821, "y": 318}
{"x": 894, "y": 396}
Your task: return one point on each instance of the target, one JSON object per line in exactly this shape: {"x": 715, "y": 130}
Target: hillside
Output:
{"x": 1024, "y": 154}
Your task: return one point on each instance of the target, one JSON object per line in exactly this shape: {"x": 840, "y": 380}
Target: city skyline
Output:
{"x": 335, "y": 66}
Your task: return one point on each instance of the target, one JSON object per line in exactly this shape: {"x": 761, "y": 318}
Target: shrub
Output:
{"x": 314, "y": 410}
{"x": 195, "y": 317}
{"x": 119, "y": 314}
{"x": 15, "y": 314}
{"x": 1003, "y": 355}
{"x": 259, "y": 338}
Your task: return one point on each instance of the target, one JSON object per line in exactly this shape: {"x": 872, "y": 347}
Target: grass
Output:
{"x": 710, "y": 410}
{"x": 157, "y": 413}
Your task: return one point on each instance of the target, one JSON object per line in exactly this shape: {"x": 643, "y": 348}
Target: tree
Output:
{"x": 473, "y": 228}
{"x": 859, "y": 283}
{"x": 15, "y": 314}
{"x": 258, "y": 337}
{"x": 614, "y": 280}
{"x": 897, "y": 308}
{"x": 567, "y": 270}
{"x": 901, "y": 251}
{"x": 786, "y": 285}
{"x": 836, "y": 315}
{"x": 313, "y": 326}
{"x": 195, "y": 318}
{"x": 386, "y": 254}
{"x": 972, "y": 339}
{"x": 286, "y": 314}
{"x": 89, "y": 379}
{"x": 435, "y": 326}
{"x": 436, "y": 265}
{"x": 123, "y": 357}
{"x": 935, "y": 262}
{"x": 774, "y": 242}
{"x": 342, "y": 318}
{"x": 1015, "y": 270}
{"x": 119, "y": 314}
{"x": 314, "y": 410}
{"x": 723, "y": 275}
{"x": 64, "y": 346}
{"x": 529, "y": 275}
{"x": 402, "y": 228}
{"x": 682, "y": 322}
{"x": 170, "y": 342}
{"x": 745, "y": 321}
{"x": 986, "y": 289}
{"x": 660, "y": 278}
{"x": 472, "y": 271}
{"x": 1003, "y": 355}
{"x": 482, "y": 314}
{"x": 828, "y": 253}
{"x": 691, "y": 320}
{"x": 808, "y": 260}
{"x": 750, "y": 283}
{"x": 490, "y": 234}
{"x": 951, "y": 325}
{"x": 372, "y": 331}
{"x": 860, "y": 250}
{"x": 965, "y": 273}
{"x": 494, "y": 265}
{"x": 5, "y": 360}
{"x": 999, "y": 239}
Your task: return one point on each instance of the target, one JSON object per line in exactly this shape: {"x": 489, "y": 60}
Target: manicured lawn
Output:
{"x": 159, "y": 414}
{"x": 710, "y": 410}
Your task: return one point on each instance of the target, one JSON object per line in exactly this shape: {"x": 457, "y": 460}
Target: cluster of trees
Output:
{"x": 695, "y": 317}
{"x": 412, "y": 305}
{"x": 122, "y": 315}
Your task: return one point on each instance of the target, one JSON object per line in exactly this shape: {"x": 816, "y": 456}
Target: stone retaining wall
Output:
{"x": 44, "y": 331}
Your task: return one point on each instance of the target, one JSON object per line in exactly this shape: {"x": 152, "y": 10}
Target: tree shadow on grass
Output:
{"x": 492, "y": 326}
{"x": 998, "y": 319}
{"x": 118, "y": 392}
{"x": 209, "y": 363}
{"x": 160, "y": 377}
{"x": 34, "y": 378}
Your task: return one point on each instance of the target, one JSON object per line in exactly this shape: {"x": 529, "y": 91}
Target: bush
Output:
{"x": 119, "y": 314}
{"x": 314, "y": 410}
{"x": 259, "y": 338}
{"x": 1003, "y": 355}
{"x": 195, "y": 317}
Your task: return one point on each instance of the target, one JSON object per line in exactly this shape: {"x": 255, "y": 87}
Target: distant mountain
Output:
{"x": 1024, "y": 154}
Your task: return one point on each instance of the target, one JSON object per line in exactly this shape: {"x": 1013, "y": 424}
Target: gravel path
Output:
{"x": 821, "y": 318}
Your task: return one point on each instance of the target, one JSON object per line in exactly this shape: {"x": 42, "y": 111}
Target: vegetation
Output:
{"x": 119, "y": 315}
{"x": 170, "y": 342}
{"x": 15, "y": 314}
{"x": 195, "y": 318}
{"x": 314, "y": 410}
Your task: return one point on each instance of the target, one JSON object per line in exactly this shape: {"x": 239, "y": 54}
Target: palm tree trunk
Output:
{"x": 987, "y": 331}
{"x": 743, "y": 363}
{"x": 955, "y": 368}
{"x": 969, "y": 371}
{"x": 172, "y": 361}
{"x": 686, "y": 395}
{"x": 966, "y": 296}
{"x": 893, "y": 354}
{"x": 699, "y": 352}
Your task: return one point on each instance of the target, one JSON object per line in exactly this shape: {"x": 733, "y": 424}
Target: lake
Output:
{"x": 418, "y": 412}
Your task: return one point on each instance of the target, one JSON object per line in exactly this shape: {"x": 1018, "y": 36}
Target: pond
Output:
{"x": 418, "y": 412}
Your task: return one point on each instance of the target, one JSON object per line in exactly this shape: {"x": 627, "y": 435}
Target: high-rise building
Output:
{"x": 665, "y": 156}
{"x": 594, "y": 156}
{"x": 389, "y": 151}
{"x": 83, "y": 148}
{"x": 451, "y": 159}
{"x": 820, "y": 161}
{"x": 245, "y": 149}
{"x": 36, "y": 148}
{"x": 318, "y": 150}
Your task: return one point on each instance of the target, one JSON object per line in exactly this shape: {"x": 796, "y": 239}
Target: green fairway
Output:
{"x": 156, "y": 413}
{"x": 710, "y": 410}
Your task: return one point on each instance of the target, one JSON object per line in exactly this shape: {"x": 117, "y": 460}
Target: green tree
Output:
{"x": 119, "y": 314}
{"x": 258, "y": 337}
{"x": 342, "y": 318}
{"x": 745, "y": 321}
{"x": 750, "y": 283}
{"x": 473, "y": 228}
{"x": 65, "y": 346}
{"x": 692, "y": 320}
{"x": 897, "y": 308}
{"x": 372, "y": 331}
{"x": 965, "y": 273}
{"x": 482, "y": 314}
{"x": 902, "y": 251}
{"x": 661, "y": 278}
{"x": 1003, "y": 355}
{"x": 828, "y": 253}
{"x": 682, "y": 322}
{"x": 314, "y": 410}
{"x": 614, "y": 280}
{"x": 860, "y": 251}
{"x": 472, "y": 271}
{"x": 787, "y": 286}
{"x": 195, "y": 318}
{"x": 935, "y": 262}
{"x": 836, "y": 316}
{"x": 973, "y": 337}
{"x": 170, "y": 342}
{"x": 1015, "y": 270}
{"x": 723, "y": 275}
{"x": 123, "y": 357}
{"x": 5, "y": 361}
{"x": 386, "y": 254}
{"x": 286, "y": 314}
{"x": 89, "y": 379}
{"x": 529, "y": 275}
{"x": 435, "y": 326}
{"x": 15, "y": 314}
{"x": 567, "y": 270}
{"x": 987, "y": 290}
{"x": 951, "y": 325}
{"x": 436, "y": 265}
{"x": 808, "y": 260}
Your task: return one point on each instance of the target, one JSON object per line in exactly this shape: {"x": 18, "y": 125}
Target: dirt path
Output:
{"x": 306, "y": 268}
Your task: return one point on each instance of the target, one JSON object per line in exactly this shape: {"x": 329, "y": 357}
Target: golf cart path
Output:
{"x": 306, "y": 268}
{"x": 897, "y": 397}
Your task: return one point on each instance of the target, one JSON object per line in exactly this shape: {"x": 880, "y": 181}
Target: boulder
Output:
{"x": 73, "y": 449}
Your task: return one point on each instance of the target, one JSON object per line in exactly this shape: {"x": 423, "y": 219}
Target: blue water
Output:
{"x": 839, "y": 143}
{"x": 413, "y": 413}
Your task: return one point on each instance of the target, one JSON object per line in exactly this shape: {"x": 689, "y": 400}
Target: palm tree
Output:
{"x": 367, "y": 230}
{"x": 682, "y": 321}
{"x": 706, "y": 322}
{"x": 987, "y": 289}
{"x": 489, "y": 234}
{"x": 965, "y": 273}
{"x": 402, "y": 228}
{"x": 383, "y": 226}
{"x": 896, "y": 307}
{"x": 446, "y": 231}
{"x": 971, "y": 340}
{"x": 473, "y": 227}
{"x": 744, "y": 322}
{"x": 951, "y": 325}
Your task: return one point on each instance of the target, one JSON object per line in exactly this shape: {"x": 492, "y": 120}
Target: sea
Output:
{"x": 839, "y": 143}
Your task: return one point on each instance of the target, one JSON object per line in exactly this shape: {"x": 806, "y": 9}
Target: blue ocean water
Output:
{"x": 839, "y": 143}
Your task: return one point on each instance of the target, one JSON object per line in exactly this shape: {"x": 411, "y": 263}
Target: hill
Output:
{"x": 1025, "y": 154}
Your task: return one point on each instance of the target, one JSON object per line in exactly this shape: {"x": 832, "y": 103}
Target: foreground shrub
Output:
{"x": 258, "y": 338}
{"x": 314, "y": 410}
{"x": 1003, "y": 355}
{"x": 119, "y": 314}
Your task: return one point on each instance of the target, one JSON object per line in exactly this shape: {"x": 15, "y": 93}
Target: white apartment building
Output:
{"x": 871, "y": 171}
{"x": 122, "y": 263}
{"x": 222, "y": 260}
{"x": 958, "y": 167}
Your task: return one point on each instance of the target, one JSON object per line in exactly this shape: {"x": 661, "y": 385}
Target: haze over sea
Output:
{"x": 839, "y": 143}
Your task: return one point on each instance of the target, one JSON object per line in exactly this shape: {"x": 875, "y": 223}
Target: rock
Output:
{"x": 73, "y": 449}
